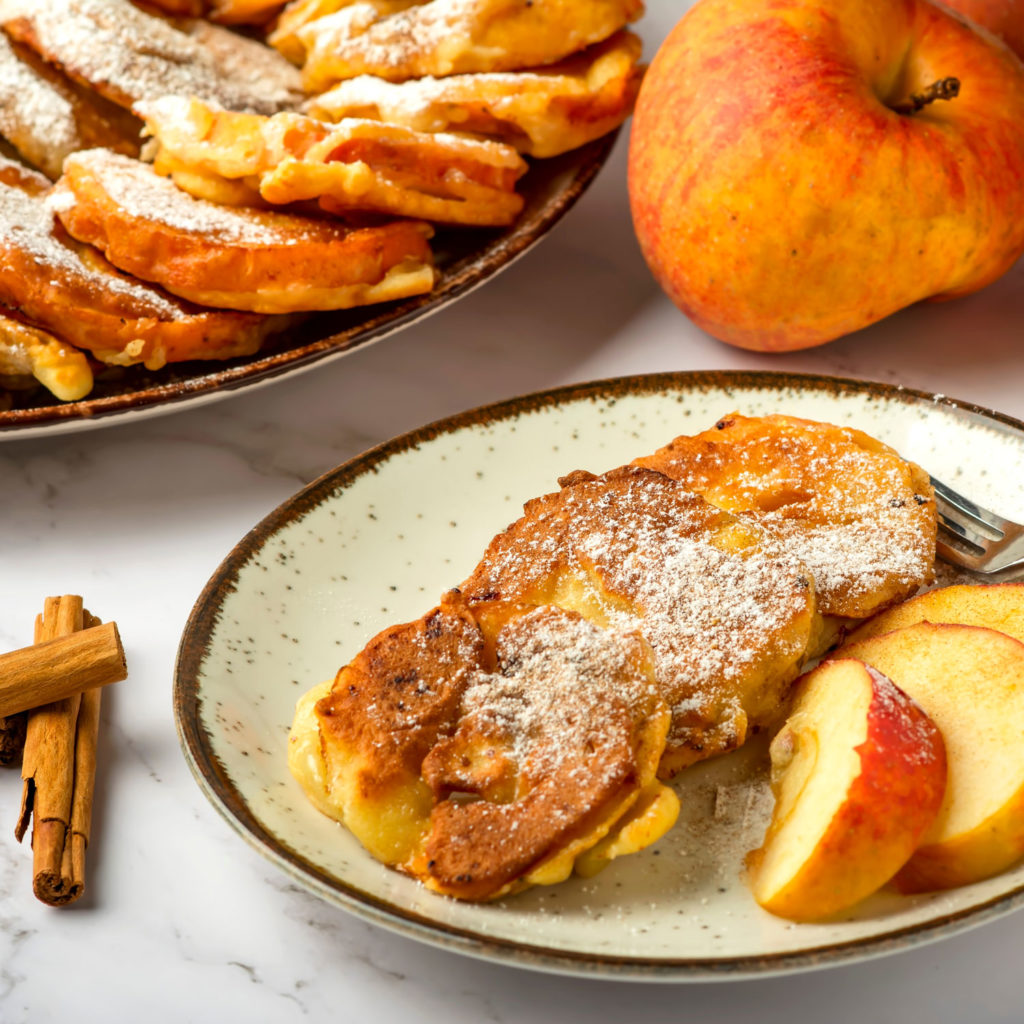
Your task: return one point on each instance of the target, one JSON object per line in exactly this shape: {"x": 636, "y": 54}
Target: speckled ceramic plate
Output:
{"x": 465, "y": 259}
{"x": 377, "y": 540}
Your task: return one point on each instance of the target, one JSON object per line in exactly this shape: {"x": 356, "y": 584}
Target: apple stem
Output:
{"x": 943, "y": 89}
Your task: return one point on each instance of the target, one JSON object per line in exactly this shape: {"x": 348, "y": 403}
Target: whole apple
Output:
{"x": 1004, "y": 18}
{"x": 792, "y": 176}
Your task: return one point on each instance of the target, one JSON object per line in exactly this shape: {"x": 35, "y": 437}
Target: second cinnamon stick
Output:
{"x": 59, "y": 668}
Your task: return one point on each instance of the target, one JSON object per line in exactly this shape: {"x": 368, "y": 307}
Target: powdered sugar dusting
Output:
{"x": 29, "y": 102}
{"x": 28, "y": 226}
{"x": 143, "y": 193}
{"x": 559, "y": 681}
{"x": 713, "y": 617}
{"x": 128, "y": 55}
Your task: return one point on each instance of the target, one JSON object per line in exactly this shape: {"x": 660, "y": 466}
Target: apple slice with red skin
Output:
{"x": 858, "y": 773}
{"x": 970, "y": 681}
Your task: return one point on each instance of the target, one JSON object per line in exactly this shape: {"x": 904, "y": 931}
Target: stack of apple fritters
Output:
{"x": 246, "y": 211}
{"x": 622, "y": 629}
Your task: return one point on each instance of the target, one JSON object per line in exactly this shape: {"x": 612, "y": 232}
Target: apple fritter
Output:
{"x": 45, "y": 116}
{"x": 284, "y": 37}
{"x": 236, "y": 258}
{"x": 29, "y": 354}
{"x": 730, "y": 622}
{"x": 351, "y": 166}
{"x": 127, "y": 55}
{"x": 861, "y": 518}
{"x": 542, "y": 112}
{"x": 450, "y": 37}
{"x": 69, "y": 289}
{"x": 454, "y": 749}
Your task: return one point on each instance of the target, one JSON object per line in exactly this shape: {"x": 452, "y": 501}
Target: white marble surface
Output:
{"x": 182, "y": 921}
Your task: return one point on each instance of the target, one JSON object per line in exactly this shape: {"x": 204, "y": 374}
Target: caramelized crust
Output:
{"x": 354, "y": 165}
{"x": 542, "y": 112}
{"x": 859, "y": 516}
{"x": 730, "y": 623}
{"x": 482, "y": 757}
{"x": 127, "y": 55}
{"x": 46, "y": 116}
{"x": 284, "y": 38}
{"x": 246, "y": 259}
{"x": 71, "y": 290}
{"x": 450, "y": 37}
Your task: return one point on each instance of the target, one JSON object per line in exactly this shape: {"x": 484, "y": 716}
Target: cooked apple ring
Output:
{"x": 127, "y": 55}
{"x": 542, "y": 112}
{"x": 450, "y": 37}
{"x": 861, "y": 518}
{"x": 45, "y": 116}
{"x": 730, "y": 621}
{"x": 264, "y": 262}
{"x": 284, "y": 37}
{"x": 351, "y": 166}
{"x": 27, "y": 353}
{"x": 484, "y": 757}
{"x": 70, "y": 290}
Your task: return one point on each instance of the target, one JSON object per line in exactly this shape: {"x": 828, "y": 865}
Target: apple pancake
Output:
{"x": 29, "y": 355}
{"x": 284, "y": 37}
{"x": 861, "y": 518}
{"x": 541, "y": 112}
{"x": 450, "y": 37}
{"x": 69, "y": 289}
{"x": 350, "y": 166}
{"x": 127, "y": 55}
{"x": 482, "y": 756}
{"x": 236, "y": 258}
{"x": 45, "y": 116}
{"x": 730, "y": 622}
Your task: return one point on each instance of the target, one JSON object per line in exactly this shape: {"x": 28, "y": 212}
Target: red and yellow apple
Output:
{"x": 970, "y": 681}
{"x": 1003, "y": 18}
{"x": 858, "y": 773}
{"x": 790, "y": 183}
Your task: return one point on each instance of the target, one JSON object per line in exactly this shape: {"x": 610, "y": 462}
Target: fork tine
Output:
{"x": 977, "y": 515}
{"x": 951, "y": 520}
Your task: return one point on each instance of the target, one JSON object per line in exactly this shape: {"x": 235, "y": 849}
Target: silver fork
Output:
{"x": 982, "y": 541}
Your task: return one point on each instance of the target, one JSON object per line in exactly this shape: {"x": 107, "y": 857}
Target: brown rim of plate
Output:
{"x": 466, "y": 259}
{"x": 215, "y": 782}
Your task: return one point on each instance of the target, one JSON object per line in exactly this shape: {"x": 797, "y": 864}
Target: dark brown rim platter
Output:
{"x": 465, "y": 258}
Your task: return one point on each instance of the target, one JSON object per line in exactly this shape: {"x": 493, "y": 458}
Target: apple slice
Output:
{"x": 970, "y": 681}
{"x": 858, "y": 773}
{"x": 996, "y": 605}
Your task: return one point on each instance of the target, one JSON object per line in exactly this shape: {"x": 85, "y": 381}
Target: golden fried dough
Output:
{"x": 350, "y": 166}
{"x": 127, "y": 55}
{"x": 298, "y": 13}
{"x": 29, "y": 353}
{"x": 70, "y": 290}
{"x": 730, "y": 622}
{"x": 454, "y": 748}
{"x": 542, "y": 112}
{"x": 45, "y": 116}
{"x": 856, "y": 514}
{"x": 255, "y": 260}
{"x": 450, "y": 37}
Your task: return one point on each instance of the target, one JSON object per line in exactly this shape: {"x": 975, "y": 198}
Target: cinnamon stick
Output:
{"x": 59, "y": 768}
{"x": 61, "y": 667}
